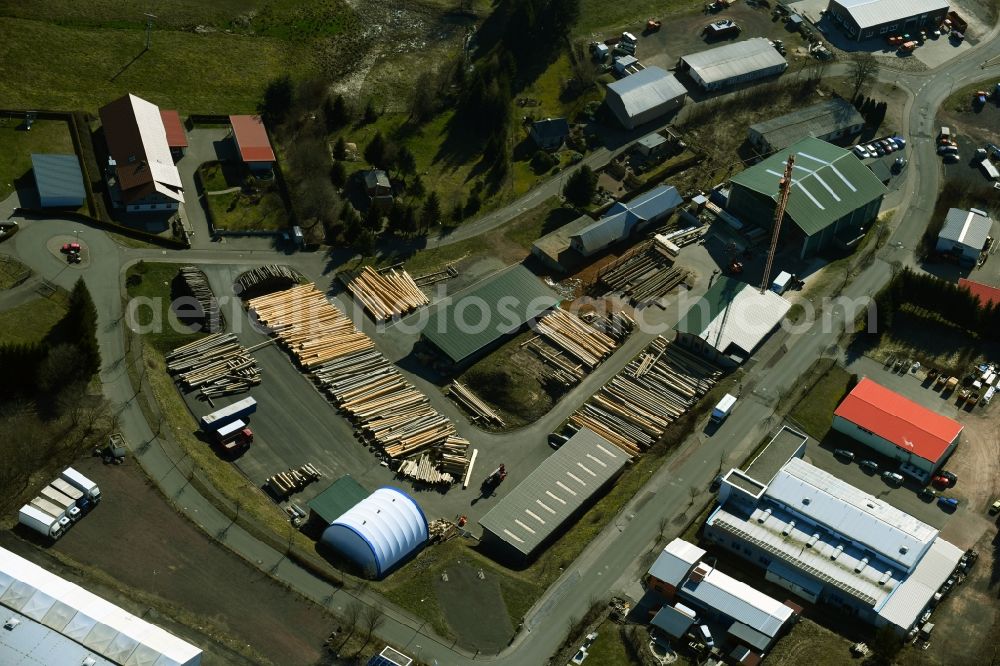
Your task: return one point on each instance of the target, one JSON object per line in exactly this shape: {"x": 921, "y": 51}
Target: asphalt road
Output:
{"x": 610, "y": 561}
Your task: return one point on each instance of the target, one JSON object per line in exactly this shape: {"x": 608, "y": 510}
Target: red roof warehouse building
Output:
{"x": 897, "y": 428}
{"x": 251, "y": 139}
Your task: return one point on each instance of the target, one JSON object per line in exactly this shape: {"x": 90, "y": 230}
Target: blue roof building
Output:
{"x": 59, "y": 180}
{"x": 624, "y": 218}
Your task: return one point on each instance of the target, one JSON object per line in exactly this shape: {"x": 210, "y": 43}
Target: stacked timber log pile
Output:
{"x": 644, "y": 275}
{"x": 617, "y": 325}
{"x": 217, "y": 364}
{"x": 391, "y": 293}
{"x": 634, "y": 408}
{"x": 424, "y": 470}
{"x": 265, "y": 279}
{"x": 294, "y": 480}
{"x": 309, "y": 325}
{"x": 390, "y": 413}
{"x": 572, "y": 335}
{"x": 195, "y": 284}
{"x": 479, "y": 409}
{"x": 559, "y": 368}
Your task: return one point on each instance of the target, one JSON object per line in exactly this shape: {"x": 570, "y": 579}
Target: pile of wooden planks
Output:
{"x": 386, "y": 294}
{"x": 433, "y": 278}
{"x": 309, "y": 325}
{"x": 195, "y": 283}
{"x": 390, "y": 413}
{"x": 479, "y": 409}
{"x": 424, "y": 470}
{"x": 615, "y": 324}
{"x": 285, "y": 483}
{"x": 216, "y": 364}
{"x": 559, "y": 368}
{"x": 265, "y": 279}
{"x": 575, "y": 337}
{"x": 633, "y": 409}
{"x": 643, "y": 274}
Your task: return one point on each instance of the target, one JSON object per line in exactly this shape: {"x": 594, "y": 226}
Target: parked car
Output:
{"x": 939, "y": 482}
{"x": 951, "y": 158}
{"x": 860, "y": 152}
{"x": 947, "y": 150}
{"x": 899, "y": 164}
{"x": 844, "y": 453}
{"x": 948, "y": 503}
{"x": 871, "y": 149}
{"x": 926, "y": 494}
{"x": 952, "y": 479}
{"x": 716, "y": 484}
{"x": 892, "y": 478}
{"x": 579, "y": 656}
{"x": 70, "y": 247}
{"x": 995, "y": 508}
{"x": 869, "y": 466}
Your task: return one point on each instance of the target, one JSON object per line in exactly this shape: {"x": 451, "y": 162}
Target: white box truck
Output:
{"x": 39, "y": 521}
{"x": 69, "y": 506}
{"x": 723, "y": 409}
{"x": 72, "y": 493}
{"x": 82, "y": 483}
{"x": 48, "y": 507}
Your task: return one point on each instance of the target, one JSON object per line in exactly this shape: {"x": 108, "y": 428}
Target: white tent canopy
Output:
{"x": 89, "y": 620}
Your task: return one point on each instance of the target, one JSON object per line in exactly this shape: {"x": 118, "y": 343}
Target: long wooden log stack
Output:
{"x": 216, "y": 364}
{"x": 574, "y": 336}
{"x": 644, "y": 274}
{"x": 633, "y": 409}
{"x": 390, "y": 413}
{"x": 309, "y": 325}
{"x": 474, "y": 404}
{"x": 265, "y": 279}
{"x": 388, "y": 294}
{"x": 294, "y": 480}
{"x": 195, "y": 283}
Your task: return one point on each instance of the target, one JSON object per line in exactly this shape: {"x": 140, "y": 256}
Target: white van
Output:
{"x": 706, "y": 635}
{"x": 723, "y": 409}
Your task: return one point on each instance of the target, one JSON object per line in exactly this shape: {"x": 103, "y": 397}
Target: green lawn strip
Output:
{"x": 85, "y": 68}
{"x": 520, "y": 232}
{"x": 608, "y": 649}
{"x": 259, "y": 212}
{"x": 11, "y": 270}
{"x": 814, "y": 412}
{"x": 31, "y": 321}
{"x": 599, "y": 14}
{"x": 17, "y": 145}
{"x": 152, "y": 283}
{"x": 213, "y": 178}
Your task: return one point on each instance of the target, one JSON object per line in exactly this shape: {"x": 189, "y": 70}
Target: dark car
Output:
{"x": 716, "y": 484}
{"x": 869, "y": 466}
{"x": 844, "y": 453}
{"x": 927, "y": 494}
{"x": 948, "y": 503}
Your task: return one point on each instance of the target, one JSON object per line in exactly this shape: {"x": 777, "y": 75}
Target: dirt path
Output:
{"x": 139, "y": 539}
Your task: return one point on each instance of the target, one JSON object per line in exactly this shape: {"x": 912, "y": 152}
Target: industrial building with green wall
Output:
{"x": 834, "y": 197}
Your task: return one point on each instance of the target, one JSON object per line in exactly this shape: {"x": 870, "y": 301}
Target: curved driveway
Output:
{"x": 611, "y": 561}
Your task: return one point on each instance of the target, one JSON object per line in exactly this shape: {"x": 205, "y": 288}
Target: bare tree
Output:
{"x": 371, "y": 618}
{"x": 862, "y": 71}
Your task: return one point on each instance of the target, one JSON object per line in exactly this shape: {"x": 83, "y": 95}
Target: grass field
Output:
{"x": 16, "y": 146}
{"x": 809, "y": 643}
{"x": 85, "y": 67}
{"x": 510, "y": 243}
{"x": 608, "y": 649}
{"x": 814, "y": 412}
{"x": 11, "y": 270}
{"x": 31, "y": 321}
{"x": 599, "y": 14}
{"x": 235, "y": 210}
{"x": 152, "y": 281}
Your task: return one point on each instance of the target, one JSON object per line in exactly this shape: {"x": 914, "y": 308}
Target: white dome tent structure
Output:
{"x": 378, "y": 532}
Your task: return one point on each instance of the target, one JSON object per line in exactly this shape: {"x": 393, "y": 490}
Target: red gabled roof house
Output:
{"x": 897, "y": 428}
{"x": 141, "y": 165}
{"x": 252, "y": 142}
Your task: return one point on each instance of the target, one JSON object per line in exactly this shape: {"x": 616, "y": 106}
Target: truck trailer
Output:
{"x": 723, "y": 409}
{"x": 234, "y": 412}
{"x": 234, "y": 437}
{"x": 82, "y": 483}
{"x": 68, "y": 505}
{"x": 53, "y": 510}
{"x": 39, "y": 521}
{"x": 71, "y": 492}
